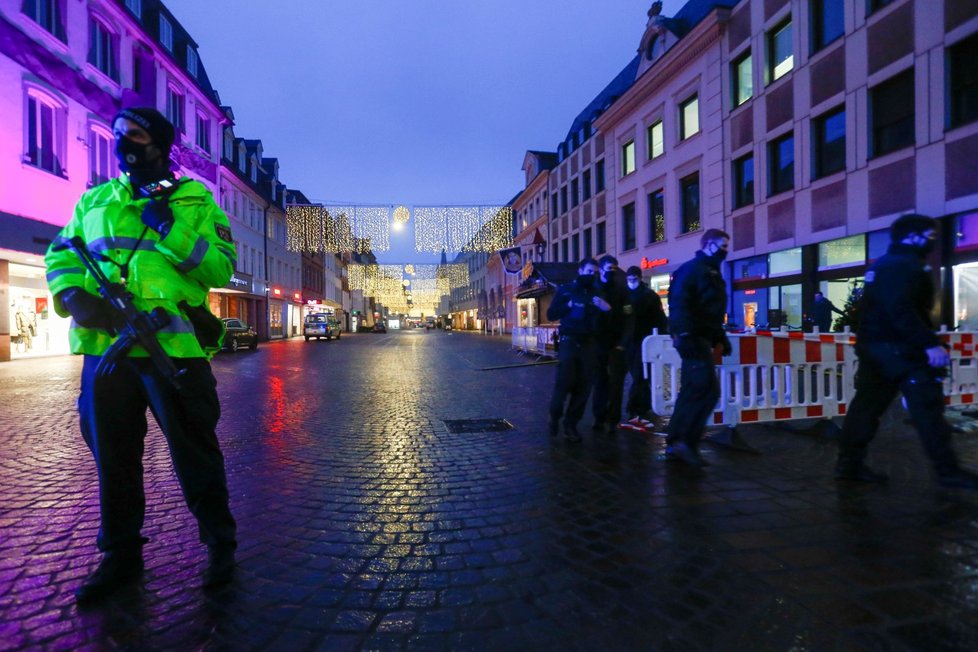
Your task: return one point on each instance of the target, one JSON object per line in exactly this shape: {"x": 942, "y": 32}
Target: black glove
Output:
{"x": 158, "y": 216}
{"x": 88, "y": 310}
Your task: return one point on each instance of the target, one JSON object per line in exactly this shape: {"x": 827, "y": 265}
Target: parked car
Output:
{"x": 380, "y": 327}
{"x": 239, "y": 335}
{"x": 321, "y": 325}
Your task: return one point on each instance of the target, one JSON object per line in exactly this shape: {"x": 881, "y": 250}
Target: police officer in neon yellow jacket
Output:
{"x": 168, "y": 251}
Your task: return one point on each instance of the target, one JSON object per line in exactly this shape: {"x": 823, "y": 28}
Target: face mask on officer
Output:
{"x": 716, "y": 251}
{"x": 924, "y": 242}
{"x": 136, "y": 158}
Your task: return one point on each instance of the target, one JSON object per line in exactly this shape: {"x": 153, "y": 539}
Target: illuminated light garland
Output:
{"x": 409, "y": 269}
{"x": 462, "y": 228}
{"x": 401, "y": 215}
{"x": 337, "y": 229}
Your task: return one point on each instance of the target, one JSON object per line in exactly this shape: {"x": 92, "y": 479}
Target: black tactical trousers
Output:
{"x": 640, "y": 394}
{"x": 698, "y": 394}
{"x": 883, "y": 372}
{"x": 113, "y": 424}
{"x": 609, "y": 383}
{"x": 575, "y": 369}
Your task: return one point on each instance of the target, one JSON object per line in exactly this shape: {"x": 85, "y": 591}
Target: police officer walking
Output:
{"x": 168, "y": 243}
{"x": 697, "y": 306}
{"x": 577, "y": 305}
{"x": 641, "y": 314}
{"x": 899, "y": 352}
{"x": 610, "y": 366}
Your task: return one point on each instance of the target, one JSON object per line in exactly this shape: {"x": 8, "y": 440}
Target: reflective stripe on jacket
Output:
{"x": 196, "y": 255}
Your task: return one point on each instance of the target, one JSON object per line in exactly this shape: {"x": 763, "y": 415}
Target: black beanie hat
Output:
{"x": 634, "y": 270}
{"x": 155, "y": 123}
{"x": 910, "y": 223}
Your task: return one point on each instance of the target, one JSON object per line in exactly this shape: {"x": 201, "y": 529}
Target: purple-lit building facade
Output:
{"x": 801, "y": 127}
{"x": 66, "y": 67}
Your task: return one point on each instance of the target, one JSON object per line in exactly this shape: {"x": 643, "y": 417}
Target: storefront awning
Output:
{"x": 544, "y": 278}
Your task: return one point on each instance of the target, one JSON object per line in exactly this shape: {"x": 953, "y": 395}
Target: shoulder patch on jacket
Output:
{"x": 223, "y": 232}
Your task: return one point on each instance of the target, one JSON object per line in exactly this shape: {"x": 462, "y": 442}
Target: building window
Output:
{"x": 743, "y": 174}
{"x": 563, "y": 199}
{"x": 628, "y": 158}
{"x": 166, "y": 33}
{"x": 174, "y": 108}
{"x": 101, "y": 48}
{"x": 828, "y": 22}
{"x": 575, "y": 192}
{"x": 600, "y": 243}
{"x": 49, "y": 14}
{"x": 599, "y": 176}
{"x": 565, "y": 249}
{"x": 136, "y": 7}
{"x": 45, "y": 133}
{"x": 101, "y": 161}
{"x": 742, "y": 76}
{"x": 587, "y": 244}
{"x": 829, "y": 142}
{"x": 586, "y": 182}
{"x": 654, "y": 137}
{"x": 891, "y": 106}
{"x": 689, "y": 117}
{"x": 555, "y": 253}
{"x": 689, "y": 192}
{"x": 203, "y": 128}
{"x": 657, "y": 216}
{"x": 576, "y": 245}
{"x": 782, "y": 164}
{"x": 779, "y": 53}
{"x": 228, "y": 145}
{"x": 192, "y": 61}
{"x": 962, "y": 85}
{"x": 628, "y": 226}
{"x": 553, "y": 203}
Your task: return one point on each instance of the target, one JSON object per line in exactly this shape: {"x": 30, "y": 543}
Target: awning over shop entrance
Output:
{"x": 544, "y": 278}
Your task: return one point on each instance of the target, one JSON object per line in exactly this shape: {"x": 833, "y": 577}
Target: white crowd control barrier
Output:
{"x": 535, "y": 340}
{"x": 784, "y": 376}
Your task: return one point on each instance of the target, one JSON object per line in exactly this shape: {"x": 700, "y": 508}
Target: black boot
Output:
{"x": 570, "y": 433}
{"x": 220, "y": 566}
{"x": 116, "y": 569}
{"x": 848, "y": 470}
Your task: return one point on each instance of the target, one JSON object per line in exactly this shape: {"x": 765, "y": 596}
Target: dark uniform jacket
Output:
{"x": 698, "y": 299}
{"x": 897, "y": 300}
{"x": 581, "y": 318}
{"x": 641, "y": 313}
{"x": 611, "y": 323}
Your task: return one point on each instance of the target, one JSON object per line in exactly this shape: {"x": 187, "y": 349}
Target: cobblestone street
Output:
{"x": 365, "y": 523}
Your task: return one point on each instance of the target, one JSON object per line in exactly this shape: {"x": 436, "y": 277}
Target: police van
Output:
{"x": 321, "y": 325}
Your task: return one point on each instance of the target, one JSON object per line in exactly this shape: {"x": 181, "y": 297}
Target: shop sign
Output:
{"x": 240, "y": 282}
{"x": 652, "y": 264}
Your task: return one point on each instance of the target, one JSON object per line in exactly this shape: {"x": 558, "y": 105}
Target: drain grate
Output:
{"x": 478, "y": 425}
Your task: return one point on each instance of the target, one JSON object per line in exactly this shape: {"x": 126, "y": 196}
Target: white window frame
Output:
{"x": 136, "y": 7}
{"x": 175, "y": 109}
{"x": 108, "y": 68}
{"x": 689, "y": 121}
{"x": 99, "y": 132}
{"x": 202, "y": 133}
{"x": 192, "y": 61}
{"x": 166, "y": 33}
{"x": 628, "y": 157}
{"x": 656, "y": 129}
{"x": 59, "y": 127}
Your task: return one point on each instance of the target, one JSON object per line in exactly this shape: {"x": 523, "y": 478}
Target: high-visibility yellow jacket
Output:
{"x": 196, "y": 255}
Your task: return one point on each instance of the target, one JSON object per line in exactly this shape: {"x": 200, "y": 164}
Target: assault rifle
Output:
{"x": 137, "y": 327}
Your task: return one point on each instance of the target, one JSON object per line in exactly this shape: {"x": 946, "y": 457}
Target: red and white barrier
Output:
{"x": 784, "y": 376}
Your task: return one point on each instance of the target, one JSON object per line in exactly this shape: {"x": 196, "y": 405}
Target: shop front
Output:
{"x": 241, "y": 299}
{"x": 964, "y": 272}
{"x": 35, "y": 329}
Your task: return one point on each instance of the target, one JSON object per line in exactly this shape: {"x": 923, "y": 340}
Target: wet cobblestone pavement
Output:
{"x": 365, "y": 523}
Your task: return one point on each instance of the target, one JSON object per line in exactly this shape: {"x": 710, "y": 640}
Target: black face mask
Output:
{"x": 926, "y": 247}
{"x": 720, "y": 255}
{"x": 585, "y": 280}
{"x": 134, "y": 159}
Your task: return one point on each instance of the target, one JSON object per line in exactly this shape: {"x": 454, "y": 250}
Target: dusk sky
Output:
{"x": 416, "y": 102}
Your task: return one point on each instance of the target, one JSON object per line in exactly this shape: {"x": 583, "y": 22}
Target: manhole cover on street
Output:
{"x": 478, "y": 425}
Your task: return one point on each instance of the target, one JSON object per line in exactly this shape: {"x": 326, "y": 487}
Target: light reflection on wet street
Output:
{"x": 365, "y": 523}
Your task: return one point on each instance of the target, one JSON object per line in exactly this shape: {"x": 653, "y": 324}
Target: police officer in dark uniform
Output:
{"x": 697, "y": 306}
{"x": 577, "y": 305}
{"x": 641, "y": 314}
{"x": 610, "y": 366}
{"x": 899, "y": 352}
